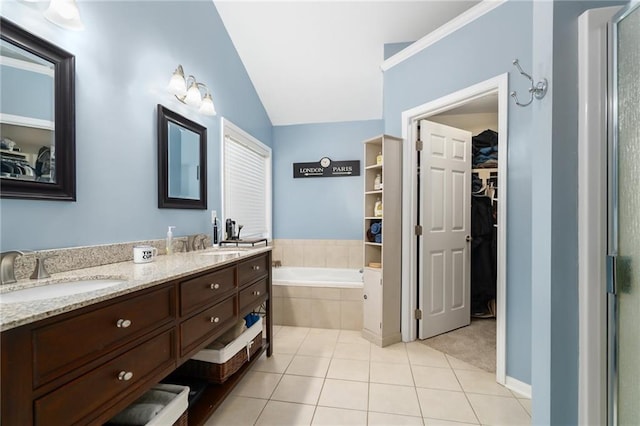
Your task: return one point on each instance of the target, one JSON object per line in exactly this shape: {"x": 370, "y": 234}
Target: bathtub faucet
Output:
{"x": 276, "y": 263}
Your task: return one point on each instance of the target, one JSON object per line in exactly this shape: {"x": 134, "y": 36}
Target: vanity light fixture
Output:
{"x": 188, "y": 91}
{"x": 65, "y": 14}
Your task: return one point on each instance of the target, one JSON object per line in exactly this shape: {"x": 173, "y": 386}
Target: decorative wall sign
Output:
{"x": 326, "y": 168}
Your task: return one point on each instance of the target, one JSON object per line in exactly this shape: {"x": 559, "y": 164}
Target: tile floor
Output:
{"x": 335, "y": 377}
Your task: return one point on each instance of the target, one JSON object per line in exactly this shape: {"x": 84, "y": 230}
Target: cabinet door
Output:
{"x": 372, "y": 307}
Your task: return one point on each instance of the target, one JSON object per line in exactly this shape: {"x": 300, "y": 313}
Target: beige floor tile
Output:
{"x": 257, "y": 385}
{"x": 300, "y": 389}
{"x": 384, "y": 419}
{"x": 396, "y": 354}
{"x": 344, "y": 394}
{"x": 294, "y": 332}
{"x": 276, "y": 363}
{"x": 351, "y": 336}
{"x": 278, "y": 413}
{"x": 393, "y": 399}
{"x": 349, "y": 369}
{"x": 438, "y": 422}
{"x": 497, "y": 410}
{"x": 286, "y": 345}
{"x": 323, "y": 333}
{"x": 435, "y": 378}
{"x": 276, "y": 329}
{"x": 519, "y": 395}
{"x": 392, "y": 374}
{"x": 526, "y": 403}
{"x": 481, "y": 382}
{"x": 361, "y": 351}
{"x": 328, "y": 416}
{"x": 309, "y": 366}
{"x": 420, "y": 354}
{"x": 457, "y": 364}
{"x": 320, "y": 348}
{"x": 237, "y": 410}
{"x": 445, "y": 405}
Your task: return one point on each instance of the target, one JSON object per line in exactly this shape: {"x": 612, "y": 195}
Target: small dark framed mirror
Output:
{"x": 182, "y": 162}
{"x": 37, "y": 117}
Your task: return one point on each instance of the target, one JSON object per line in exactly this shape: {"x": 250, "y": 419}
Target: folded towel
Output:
{"x": 376, "y": 227}
{"x": 137, "y": 414}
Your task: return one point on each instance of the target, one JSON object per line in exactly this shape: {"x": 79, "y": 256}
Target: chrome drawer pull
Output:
{"x": 216, "y": 319}
{"x": 256, "y": 293}
{"x": 215, "y": 286}
{"x": 123, "y": 323}
{"x": 125, "y": 376}
{"x": 255, "y": 268}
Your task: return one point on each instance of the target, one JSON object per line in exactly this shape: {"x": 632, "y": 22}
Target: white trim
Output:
{"x": 592, "y": 215}
{"x": 19, "y": 120}
{"x": 500, "y": 85}
{"x": 466, "y": 17}
{"x": 27, "y": 66}
{"x": 520, "y": 387}
{"x": 227, "y": 128}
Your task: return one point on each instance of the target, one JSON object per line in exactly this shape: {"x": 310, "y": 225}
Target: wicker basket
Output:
{"x": 219, "y": 373}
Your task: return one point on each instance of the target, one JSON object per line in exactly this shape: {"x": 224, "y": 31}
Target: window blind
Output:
{"x": 245, "y": 175}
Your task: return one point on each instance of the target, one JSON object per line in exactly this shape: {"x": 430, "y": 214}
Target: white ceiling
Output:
{"x": 319, "y": 61}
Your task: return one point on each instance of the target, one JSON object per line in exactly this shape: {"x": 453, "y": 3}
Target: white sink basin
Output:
{"x": 50, "y": 291}
{"x": 222, "y": 252}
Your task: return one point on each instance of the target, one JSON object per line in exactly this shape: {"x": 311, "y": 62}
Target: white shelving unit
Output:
{"x": 382, "y": 260}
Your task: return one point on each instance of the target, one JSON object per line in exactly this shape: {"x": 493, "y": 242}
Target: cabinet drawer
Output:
{"x": 252, "y": 269}
{"x": 253, "y": 295}
{"x": 205, "y": 324}
{"x": 68, "y": 344}
{"x": 206, "y": 289}
{"x": 99, "y": 389}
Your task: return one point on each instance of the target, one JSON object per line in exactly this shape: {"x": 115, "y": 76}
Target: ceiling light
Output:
{"x": 65, "y": 14}
{"x": 192, "y": 96}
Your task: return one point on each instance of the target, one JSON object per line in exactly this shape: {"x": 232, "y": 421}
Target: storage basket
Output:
{"x": 174, "y": 413}
{"x": 217, "y": 365}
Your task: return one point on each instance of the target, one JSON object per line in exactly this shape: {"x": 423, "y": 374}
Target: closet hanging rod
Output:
{"x": 537, "y": 90}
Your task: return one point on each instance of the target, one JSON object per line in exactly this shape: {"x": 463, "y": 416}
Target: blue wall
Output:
{"x": 477, "y": 52}
{"x": 319, "y": 208}
{"x": 124, "y": 60}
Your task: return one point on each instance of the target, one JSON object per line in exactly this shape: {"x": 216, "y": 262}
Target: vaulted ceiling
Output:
{"x": 319, "y": 61}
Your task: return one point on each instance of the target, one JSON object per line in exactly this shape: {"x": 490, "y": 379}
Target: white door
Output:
{"x": 372, "y": 306}
{"x": 445, "y": 216}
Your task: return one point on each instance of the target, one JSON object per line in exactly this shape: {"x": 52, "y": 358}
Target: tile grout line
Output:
{"x": 464, "y": 392}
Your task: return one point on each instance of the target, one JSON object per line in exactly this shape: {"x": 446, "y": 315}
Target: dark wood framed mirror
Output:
{"x": 182, "y": 162}
{"x": 37, "y": 117}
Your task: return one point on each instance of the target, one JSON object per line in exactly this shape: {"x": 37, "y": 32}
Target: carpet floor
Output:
{"x": 475, "y": 343}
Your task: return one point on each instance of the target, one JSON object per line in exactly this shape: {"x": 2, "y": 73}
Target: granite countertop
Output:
{"x": 135, "y": 277}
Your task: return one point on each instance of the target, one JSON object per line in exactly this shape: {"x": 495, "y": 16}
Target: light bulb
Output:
{"x": 207, "y": 107}
{"x": 193, "y": 97}
{"x": 177, "y": 85}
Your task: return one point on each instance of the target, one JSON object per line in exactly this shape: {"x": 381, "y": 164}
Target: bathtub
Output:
{"x": 317, "y": 277}
{"x": 317, "y": 297}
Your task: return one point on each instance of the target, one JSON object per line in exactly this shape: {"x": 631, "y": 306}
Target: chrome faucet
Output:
{"x": 7, "y": 272}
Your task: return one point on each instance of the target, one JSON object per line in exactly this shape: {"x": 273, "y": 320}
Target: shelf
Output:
{"x": 374, "y": 217}
{"x": 367, "y": 243}
{"x": 13, "y": 153}
{"x": 373, "y": 166}
{"x": 377, "y": 191}
{"x": 215, "y": 394}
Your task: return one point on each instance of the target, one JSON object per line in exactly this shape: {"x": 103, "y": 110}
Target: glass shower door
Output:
{"x": 625, "y": 230}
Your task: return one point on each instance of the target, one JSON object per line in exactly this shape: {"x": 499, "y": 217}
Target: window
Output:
{"x": 246, "y": 178}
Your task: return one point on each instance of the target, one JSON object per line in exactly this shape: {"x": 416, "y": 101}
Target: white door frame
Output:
{"x": 500, "y": 85}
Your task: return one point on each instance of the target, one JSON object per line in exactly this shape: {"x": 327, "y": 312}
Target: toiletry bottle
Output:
{"x": 377, "y": 183}
{"x": 214, "y": 220}
{"x": 377, "y": 208}
{"x": 379, "y": 159}
{"x": 169, "y": 245}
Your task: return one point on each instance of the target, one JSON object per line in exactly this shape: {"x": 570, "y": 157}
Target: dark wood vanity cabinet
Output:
{"x": 84, "y": 366}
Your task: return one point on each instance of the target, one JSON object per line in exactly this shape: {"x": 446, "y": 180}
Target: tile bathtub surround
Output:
{"x": 69, "y": 259}
{"x": 318, "y": 307}
{"x": 319, "y": 253}
{"x": 341, "y": 385}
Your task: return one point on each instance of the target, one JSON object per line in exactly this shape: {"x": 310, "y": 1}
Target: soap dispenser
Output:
{"x": 214, "y": 222}
{"x": 169, "y": 243}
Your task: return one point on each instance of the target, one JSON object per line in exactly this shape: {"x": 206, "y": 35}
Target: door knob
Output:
{"x": 469, "y": 238}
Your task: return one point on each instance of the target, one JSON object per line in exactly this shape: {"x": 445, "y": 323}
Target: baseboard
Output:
{"x": 518, "y": 386}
